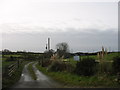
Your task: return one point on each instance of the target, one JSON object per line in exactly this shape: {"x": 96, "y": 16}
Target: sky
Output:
{"x": 85, "y": 26}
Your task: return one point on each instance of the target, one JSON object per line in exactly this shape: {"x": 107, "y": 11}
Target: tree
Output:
{"x": 11, "y": 58}
{"x": 62, "y": 49}
{"x": 48, "y": 54}
{"x": 6, "y": 51}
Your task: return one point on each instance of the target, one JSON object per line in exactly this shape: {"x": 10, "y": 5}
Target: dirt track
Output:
{"x": 42, "y": 80}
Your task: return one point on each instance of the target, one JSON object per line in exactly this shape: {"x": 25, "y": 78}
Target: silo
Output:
{"x": 48, "y": 44}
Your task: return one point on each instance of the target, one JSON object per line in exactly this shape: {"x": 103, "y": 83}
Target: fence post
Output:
{"x": 39, "y": 62}
{"x": 42, "y": 62}
{"x": 18, "y": 63}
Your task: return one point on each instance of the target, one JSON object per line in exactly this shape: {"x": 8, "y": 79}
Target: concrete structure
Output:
{"x": 48, "y": 44}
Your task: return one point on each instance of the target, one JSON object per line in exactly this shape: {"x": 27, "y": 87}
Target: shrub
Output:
{"x": 85, "y": 67}
{"x": 69, "y": 67}
{"x": 116, "y": 64}
{"x": 105, "y": 67}
{"x": 56, "y": 66}
{"x": 11, "y": 58}
{"x": 46, "y": 62}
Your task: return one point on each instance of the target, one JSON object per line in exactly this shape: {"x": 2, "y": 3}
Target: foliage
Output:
{"x": 72, "y": 80}
{"x": 62, "y": 49}
{"x": 110, "y": 56}
{"x": 104, "y": 67}
{"x": 48, "y": 54}
{"x": 116, "y": 64}
{"x": 70, "y": 67}
{"x": 11, "y": 58}
{"x": 57, "y": 66}
{"x": 85, "y": 67}
{"x": 6, "y": 51}
{"x": 46, "y": 62}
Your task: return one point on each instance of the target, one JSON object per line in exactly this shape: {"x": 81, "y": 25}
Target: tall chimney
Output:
{"x": 48, "y": 44}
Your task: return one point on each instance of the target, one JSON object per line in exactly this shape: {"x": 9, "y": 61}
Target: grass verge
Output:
{"x": 31, "y": 71}
{"x": 72, "y": 80}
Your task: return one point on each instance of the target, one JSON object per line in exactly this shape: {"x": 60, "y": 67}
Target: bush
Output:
{"x": 69, "y": 67}
{"x": 116, "y": 64}
{"x": 56, "y": 66}
{"x": 11, "y": 58}
{"x": 46, "y": 62}
{"x": 85, "y": 67}
{"x": 105, "y": 67}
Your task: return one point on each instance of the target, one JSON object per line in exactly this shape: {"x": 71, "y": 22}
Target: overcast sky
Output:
{"x": 85, "y": 26}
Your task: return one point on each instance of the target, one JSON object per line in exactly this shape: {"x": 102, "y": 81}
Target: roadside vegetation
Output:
{"x": 61, "y": 66}
{"x": 73, "y": 80}
{"x": 89, "y": 71}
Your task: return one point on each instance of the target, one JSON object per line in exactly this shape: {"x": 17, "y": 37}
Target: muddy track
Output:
{"x": 42, "y": 81}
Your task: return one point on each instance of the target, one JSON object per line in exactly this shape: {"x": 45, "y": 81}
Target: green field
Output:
{"x": 6, "y": 63}
{"x": 111, "y": 56}
{"x": 17, "y": 55}
{"x": 108, "y": 57}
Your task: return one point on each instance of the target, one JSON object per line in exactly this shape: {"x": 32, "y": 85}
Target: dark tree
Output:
{"x": 6, "y": 51}
{"x": 85, "y": 67}
{"x": 62, "y": 49}
{"x": 48, "y": 54}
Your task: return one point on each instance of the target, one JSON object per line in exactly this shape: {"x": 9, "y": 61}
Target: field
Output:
{"x": 7, "y": 63}
{"x": 107, "y": 57}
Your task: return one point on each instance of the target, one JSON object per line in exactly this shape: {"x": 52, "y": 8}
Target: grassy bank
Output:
{"x": 72, "y": 80}
{"x": 31, "y": 71}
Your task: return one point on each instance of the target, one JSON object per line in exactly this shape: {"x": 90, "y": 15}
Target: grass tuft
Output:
{"x": 31, "y": 71}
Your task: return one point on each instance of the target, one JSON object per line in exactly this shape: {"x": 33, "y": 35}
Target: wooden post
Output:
{"x": 39, "y": 62}
{"x": 42, "y": 61}
{"x": 18, "y": 63}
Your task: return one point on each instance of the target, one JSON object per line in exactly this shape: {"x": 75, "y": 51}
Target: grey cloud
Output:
{"x": 77, "y": 40}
